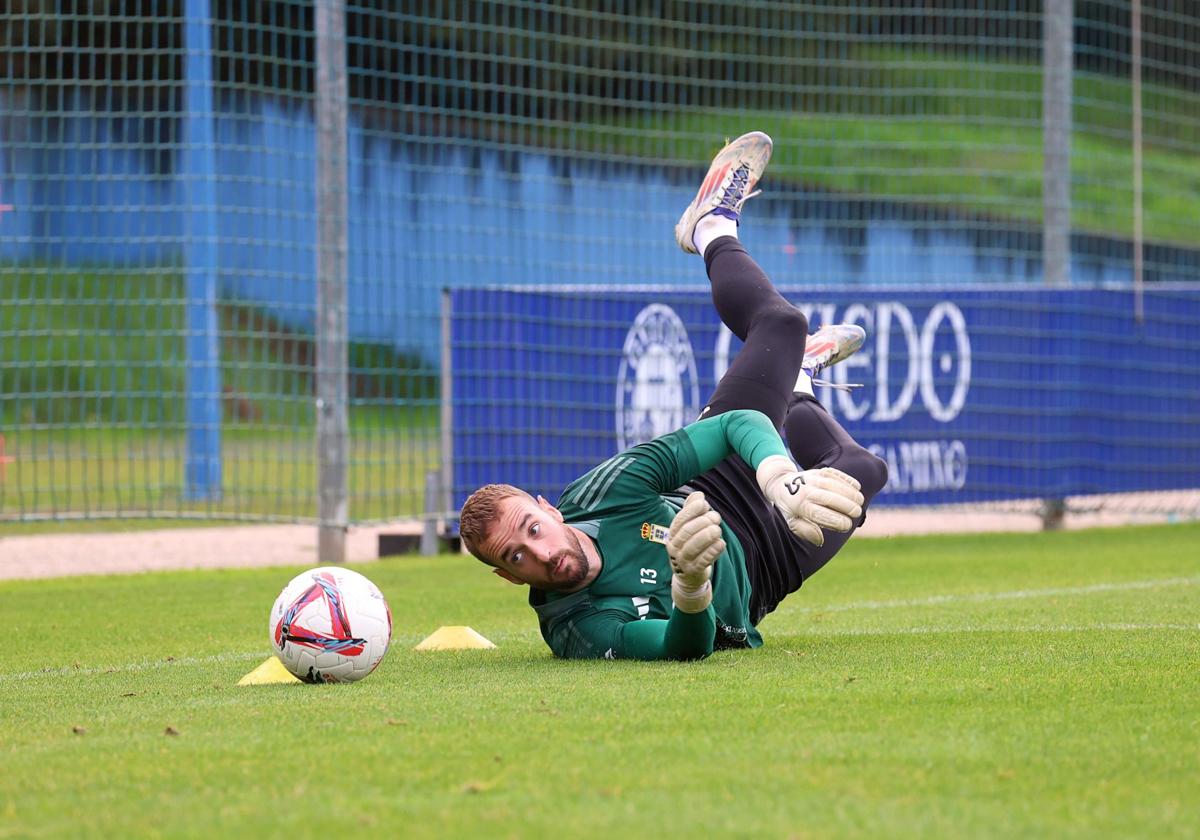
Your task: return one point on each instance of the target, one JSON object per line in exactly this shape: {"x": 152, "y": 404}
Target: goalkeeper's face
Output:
{"x": 528, "y": 542}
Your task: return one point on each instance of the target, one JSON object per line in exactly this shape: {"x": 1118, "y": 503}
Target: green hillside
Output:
{"x": 958, "y": 135}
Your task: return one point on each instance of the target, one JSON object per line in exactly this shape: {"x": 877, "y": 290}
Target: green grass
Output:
{"x": 88, "y": 347}
{"x": 1015, "y": 685}
{"x": 267, "y": 471}
{"x": 92, "y": 387}
{"x": 988, "y": 168}
{"x": 916, "y": 126}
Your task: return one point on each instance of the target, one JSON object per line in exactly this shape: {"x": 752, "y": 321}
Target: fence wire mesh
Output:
{"x": 158, "y": 194}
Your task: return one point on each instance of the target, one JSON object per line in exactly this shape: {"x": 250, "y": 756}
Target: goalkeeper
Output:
{"x": 681, "y": 546}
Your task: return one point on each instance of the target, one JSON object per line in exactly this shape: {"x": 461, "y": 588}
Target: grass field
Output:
{"x": 1031, "y": 685}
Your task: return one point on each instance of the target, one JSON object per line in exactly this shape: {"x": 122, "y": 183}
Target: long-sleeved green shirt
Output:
{"x": 626, "y": 505}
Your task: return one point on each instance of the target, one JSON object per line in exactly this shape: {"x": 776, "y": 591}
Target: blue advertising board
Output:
{"x": 969, "y": 395}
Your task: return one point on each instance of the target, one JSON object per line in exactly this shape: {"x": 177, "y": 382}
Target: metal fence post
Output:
{"x": 202, "y": 466}
{"x": 433, "y": 500}
{"x": 332, "y": 373}
{"x": 1135, "y": 84}
{"x": 1058, "y": 40}
{"x": 1058, "y": 36}
{"x": 447, "y": 410}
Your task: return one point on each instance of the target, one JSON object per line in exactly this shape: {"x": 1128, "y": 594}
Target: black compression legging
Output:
{"x": 763, "y": 377}
{"x": 772, "y": 330}
{"x": 764, "y": 373}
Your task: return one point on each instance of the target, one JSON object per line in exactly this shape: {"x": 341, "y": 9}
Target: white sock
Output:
{"x": 713, "y": 226}
{"x": 804, "y": 384}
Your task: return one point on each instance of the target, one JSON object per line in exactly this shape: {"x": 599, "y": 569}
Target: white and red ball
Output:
{"x": 330, "y": 625}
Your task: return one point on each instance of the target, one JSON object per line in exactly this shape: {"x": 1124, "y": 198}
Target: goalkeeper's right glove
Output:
{"x": 693, "y": 546}
{"x": 812, "y": 499}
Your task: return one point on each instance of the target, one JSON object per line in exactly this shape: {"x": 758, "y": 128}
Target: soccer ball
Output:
{"x": 330, "y": 625}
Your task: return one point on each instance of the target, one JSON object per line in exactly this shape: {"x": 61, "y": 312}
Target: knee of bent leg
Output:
{"x": 871, "y": 471}
{"x": 785, "y": 320}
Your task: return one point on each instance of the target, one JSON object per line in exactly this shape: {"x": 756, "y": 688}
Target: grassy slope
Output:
{"x": 896, "y": 696}
{"x": 957, "y": 134}
{"x": 103, "y": 345}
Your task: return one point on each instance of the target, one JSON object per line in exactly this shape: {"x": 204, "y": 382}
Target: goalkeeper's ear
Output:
{"x": 508, "y": 577}
{"x": 549, "y": 508}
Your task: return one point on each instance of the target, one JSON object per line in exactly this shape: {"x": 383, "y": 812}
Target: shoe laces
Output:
{"x": 837, "y": 386}
{"x": 732, "y": 197}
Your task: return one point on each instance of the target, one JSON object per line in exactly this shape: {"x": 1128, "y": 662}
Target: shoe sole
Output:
{"x": 839, "y": 341}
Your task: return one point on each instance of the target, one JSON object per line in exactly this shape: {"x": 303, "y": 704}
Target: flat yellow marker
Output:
{"x": 268, "y": 673}
{"x": 454, "y": 638}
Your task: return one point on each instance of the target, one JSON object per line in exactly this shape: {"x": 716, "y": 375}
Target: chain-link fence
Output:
{"x": 187, "y": 253}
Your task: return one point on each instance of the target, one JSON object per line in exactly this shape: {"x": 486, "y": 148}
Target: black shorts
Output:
{"x": 777, "y": 561}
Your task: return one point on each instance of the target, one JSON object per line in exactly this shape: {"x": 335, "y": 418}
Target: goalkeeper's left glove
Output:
{"x": 811, "y": 499}
{"x": 693, "y": 546}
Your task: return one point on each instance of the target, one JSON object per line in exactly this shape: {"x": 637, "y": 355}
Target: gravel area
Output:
{"x": 238, "y": 546}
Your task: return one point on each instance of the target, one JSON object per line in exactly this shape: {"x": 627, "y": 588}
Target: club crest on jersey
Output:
{"x": 654, "y": 533}
{"x": 658, "y": 390}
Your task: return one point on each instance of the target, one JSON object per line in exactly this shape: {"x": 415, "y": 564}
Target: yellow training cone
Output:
{"x": 454, "y": 638}
{"x": 268, "y": 673}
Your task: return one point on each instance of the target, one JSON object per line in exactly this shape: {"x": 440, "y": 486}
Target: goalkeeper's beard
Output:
{"x": 574, "y": 566}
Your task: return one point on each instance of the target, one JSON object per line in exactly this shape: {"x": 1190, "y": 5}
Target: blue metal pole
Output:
{"x": 203, "y": 414}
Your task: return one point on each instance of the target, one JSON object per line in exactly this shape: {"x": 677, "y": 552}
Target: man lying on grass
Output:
{"x": 747, "y": 525}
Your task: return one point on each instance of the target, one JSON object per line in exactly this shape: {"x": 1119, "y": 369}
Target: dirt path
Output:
{"x": 240, "y": 546}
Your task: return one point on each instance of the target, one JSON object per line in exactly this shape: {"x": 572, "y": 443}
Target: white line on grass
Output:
{"x": 149, "y": 665}
{"x": 1019, "y": 594}
{"x": 1053, "y": 628}
{"x": 933, "y": 600}
{"x": 406, "y": 641}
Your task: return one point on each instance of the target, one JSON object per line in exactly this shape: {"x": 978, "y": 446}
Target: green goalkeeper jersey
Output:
{"x": 626, "y": 505}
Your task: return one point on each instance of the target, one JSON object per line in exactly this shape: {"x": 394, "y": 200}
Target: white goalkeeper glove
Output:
{"x": 693, "y": 546}
{"x": 811, "y": 499}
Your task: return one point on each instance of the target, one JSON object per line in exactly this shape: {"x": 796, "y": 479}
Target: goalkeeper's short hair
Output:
{"x": 480, "y": 510}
